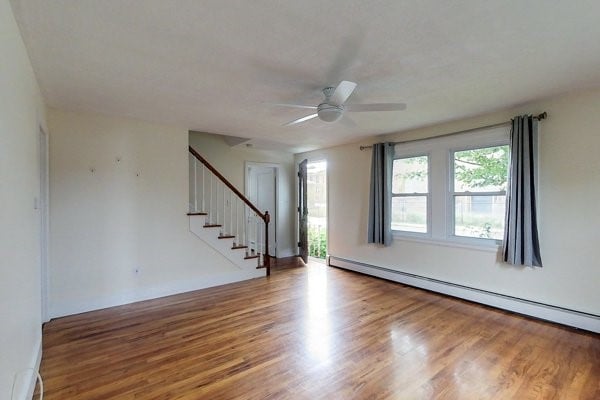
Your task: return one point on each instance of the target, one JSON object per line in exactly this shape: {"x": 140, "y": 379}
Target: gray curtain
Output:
{"x": 380, "y": 197}
{"x": 521, "y": 242}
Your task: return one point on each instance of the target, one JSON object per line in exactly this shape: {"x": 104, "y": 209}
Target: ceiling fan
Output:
{"x": 333, "y": 107}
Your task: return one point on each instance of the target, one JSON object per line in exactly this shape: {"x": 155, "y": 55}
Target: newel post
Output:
{"x": 266, "y": 256}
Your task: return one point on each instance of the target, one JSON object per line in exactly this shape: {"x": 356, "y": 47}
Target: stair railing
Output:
{"x": 226, "y": 207}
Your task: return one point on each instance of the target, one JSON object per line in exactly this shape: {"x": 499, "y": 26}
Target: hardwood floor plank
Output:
{"x": 315, "y": 333}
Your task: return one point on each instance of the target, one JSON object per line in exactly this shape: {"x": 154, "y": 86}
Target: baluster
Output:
{"x": 209, "y": 210}
{"x": 203, "y": 190}
{"x": 243, "y": 223}
{"x": 241, "y": 220}
{"x": 252, "y": 234}
{"x": 195, "y": 185}
{"x": 222, "y": 204}
{"x": 190, "y": 167}
{"x": 215, "y": 200}
{"x": 198, "y": 193}
{"x": 237, "y": 222}
{"x": 256, "y": 233}
{"x": 261, "y": 250}
{"x": 223, "y": 213}
{"x": 236, "y": 240}
{"x": 250, "y": 230}
{"x": 230, "y": 212}
{"x": 230, "y": 228}
{"x": 218, "y": 203}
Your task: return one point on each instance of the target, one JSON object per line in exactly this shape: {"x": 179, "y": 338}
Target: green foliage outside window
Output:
{"x": 491, "y": 167}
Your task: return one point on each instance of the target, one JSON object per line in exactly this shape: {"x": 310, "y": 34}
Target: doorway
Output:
{"x": 261, "y": 190}
{"x": 316, "y": 201}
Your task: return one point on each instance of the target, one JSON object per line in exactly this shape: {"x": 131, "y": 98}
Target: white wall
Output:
{"x": 569, "y": 220}
{"x": 229, "y": 161}
{"x": 21, "y": 115}
{"x": 106, "y": 221}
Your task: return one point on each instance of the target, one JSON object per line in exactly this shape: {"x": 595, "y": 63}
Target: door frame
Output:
{"x": 302, "y": 249}
{"x": 275, "y": 216}
{"x": 312, "y": 160}
{"x": 44, "y": 215}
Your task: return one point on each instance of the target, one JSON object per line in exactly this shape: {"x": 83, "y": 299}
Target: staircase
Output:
{"x": 225, "y": 219}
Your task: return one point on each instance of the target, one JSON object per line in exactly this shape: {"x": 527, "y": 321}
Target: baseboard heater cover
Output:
{"x": 577, "y": 319}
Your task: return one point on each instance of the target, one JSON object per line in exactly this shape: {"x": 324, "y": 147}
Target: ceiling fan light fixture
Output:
{"x": 334, "y": 105}
{"x": 329, "y": 112}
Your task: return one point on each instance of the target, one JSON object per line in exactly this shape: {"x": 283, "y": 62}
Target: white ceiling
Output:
{"x": 211, "y": 65}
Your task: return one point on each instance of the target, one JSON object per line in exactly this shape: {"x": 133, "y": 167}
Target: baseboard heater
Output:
{"x": 565, "y": 316}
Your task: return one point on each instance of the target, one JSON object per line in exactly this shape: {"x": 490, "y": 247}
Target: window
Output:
{"x": 479, "y": 192}
{"x": 410, "y": 192}
{"x": 451, "y": 189}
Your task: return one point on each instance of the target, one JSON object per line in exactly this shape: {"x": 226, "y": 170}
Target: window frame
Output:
{"x": 452, "y": 194}
{"x": 440, "y": 205}
{"x": 427, "y": 195}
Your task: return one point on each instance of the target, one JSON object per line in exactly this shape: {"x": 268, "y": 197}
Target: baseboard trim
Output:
{"x": 565, "y": 316}
{"x": 71, "y": 308}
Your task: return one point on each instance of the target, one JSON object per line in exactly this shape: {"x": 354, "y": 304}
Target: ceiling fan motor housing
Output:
{"x": 333, "y": 107}
{"x": 329, "y": 112}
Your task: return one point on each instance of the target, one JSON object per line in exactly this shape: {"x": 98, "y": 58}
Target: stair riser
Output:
{"x": 223, "y": 246}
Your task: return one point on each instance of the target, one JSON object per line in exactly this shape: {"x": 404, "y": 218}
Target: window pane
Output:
{"x": 479, "y": 216}
{"x": 410, "y": 175}
{"x": 481, "y": 170}
{"x": 409, "y": 213}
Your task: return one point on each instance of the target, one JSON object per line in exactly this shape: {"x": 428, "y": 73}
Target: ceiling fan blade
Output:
{"x": 342, "y": 92}
{"x": 375, "y": 107}
{"x": 348, "y": 122}
{"x": 299, "y": 120}
{"x": 293, "y": 105}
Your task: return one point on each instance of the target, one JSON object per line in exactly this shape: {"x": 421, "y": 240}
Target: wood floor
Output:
{"x": 315, "y": 332}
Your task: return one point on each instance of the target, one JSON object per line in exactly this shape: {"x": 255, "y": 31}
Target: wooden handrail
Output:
{"x": 265, "y": 217}
{"x": 212, "y": 169}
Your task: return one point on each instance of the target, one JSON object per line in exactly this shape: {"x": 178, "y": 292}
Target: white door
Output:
{"x": 261, "y": 190}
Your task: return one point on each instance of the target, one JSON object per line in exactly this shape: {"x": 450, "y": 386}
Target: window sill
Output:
{"x": 485, "y": 247}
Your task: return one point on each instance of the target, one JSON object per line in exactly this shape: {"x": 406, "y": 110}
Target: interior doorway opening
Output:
{"x": 261, "y": 190}
{"x": 316, "y": 190}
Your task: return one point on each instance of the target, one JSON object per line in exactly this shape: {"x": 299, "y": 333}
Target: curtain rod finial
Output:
{"x": 542, "y": 115}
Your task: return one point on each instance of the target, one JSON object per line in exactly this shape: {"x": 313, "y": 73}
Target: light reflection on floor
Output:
{"x": 318, "y": 326}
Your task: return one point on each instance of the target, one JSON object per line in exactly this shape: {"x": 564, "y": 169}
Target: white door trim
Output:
{"x": 43, "y": 205}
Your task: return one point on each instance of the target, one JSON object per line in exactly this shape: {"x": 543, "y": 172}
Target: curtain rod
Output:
{"x": 538, "y": 117}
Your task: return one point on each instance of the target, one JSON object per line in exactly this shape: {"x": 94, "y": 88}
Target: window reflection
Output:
{"x": 318, "y": 327}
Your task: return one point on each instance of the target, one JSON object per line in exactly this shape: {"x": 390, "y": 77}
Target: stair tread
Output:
{"x": 239, "y": 247}
{"x": 226, "y": 237}
{"x": 197, "y": 213}
{"x": 212, "y": 226}
{"x": 249, "y": 257}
